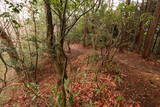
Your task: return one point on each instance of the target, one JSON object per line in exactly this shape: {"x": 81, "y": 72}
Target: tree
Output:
{"x": 140, "y": 35}
{"x": 34, "y": 12}
{"x": 151, "y": 31}
{"x": 85, "y": 31}
{"x": 158, "y": 47}
{"x": 11, "y": 50}
{"x": 68, "y": 15}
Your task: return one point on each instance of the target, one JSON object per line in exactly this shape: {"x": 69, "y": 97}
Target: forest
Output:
{"x": 79, "y": 53}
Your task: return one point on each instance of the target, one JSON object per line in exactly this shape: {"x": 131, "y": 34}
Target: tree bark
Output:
{"x": 50, "y": 26}
{"x": 148, "y": 6}
{"x": 85, "y": 31}
{"x": 126, "y": 26}
{"x": 155, "y": 42}
{"x": 56, "y": 49}
{"x": 36, "y": 46}
{"x": 128, "y": 2}
{"x": 151, "y": 31}
{"x": 140, "y": 35}
{"x": 12, "y": 52}
{"x": 158, "y": 48}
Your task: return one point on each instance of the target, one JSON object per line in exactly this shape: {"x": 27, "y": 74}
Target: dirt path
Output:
{"x": 77, "y": 49}
{"x": 141, "y": 79}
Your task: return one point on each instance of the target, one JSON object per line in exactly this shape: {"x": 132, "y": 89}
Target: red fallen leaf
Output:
{"x": 105, "y": 105}
{"x": 137, "y": 105}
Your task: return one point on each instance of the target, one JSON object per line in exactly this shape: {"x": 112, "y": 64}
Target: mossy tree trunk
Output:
{"x": 56, "y": 42}
{"x": 55, "y": 45}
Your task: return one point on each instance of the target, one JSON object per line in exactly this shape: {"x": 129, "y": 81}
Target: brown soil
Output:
{"x": 141, "y": 79}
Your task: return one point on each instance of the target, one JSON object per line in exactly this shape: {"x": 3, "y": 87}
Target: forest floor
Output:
{"x": 141, "y": 78}
{"x": 138, "y": 83}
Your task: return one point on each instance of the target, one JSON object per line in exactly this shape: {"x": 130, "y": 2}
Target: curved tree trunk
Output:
{"x": 12, "y": 50}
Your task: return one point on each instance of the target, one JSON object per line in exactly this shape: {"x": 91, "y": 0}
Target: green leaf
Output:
{"x": 71, "y": 99}
{"x": 15, "y": 10}
{"x": 15, "y": 105}
{"x": 5, "y": 14}
{"x": 119, "y": 98}
{"x": 75, "y": 93}
{"x": 17, "y": 25}
{"x": 118, "y": 70}
{"x": 60, "y": 99}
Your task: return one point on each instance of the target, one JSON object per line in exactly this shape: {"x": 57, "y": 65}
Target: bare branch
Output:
{"x": 55, "y": 12}
{"x": 5, "y": 73}
{"x": 74, "y": 10}
{"x": 76, "y": 20}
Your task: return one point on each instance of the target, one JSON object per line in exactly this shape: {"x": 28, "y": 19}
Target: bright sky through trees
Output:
{"x": 24, "y": 14}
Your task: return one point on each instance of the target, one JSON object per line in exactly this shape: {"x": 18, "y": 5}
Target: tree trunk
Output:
{"x": 141, "y": 31}
{"x": 155, "y": 42}
{"x": 29, "y": 47}
{"x": 140, "y": 35}
{"x": 126, "y": 26}
{"x": 151, "y": 31}
{"x": 128, "y": 2}
{"x": 20, "y": 48}
{"x": 60, "y": 65}
{"x": 36, "y": 46}
{"x": 158, "y": 48}
{"x": 12, "y": 52}
{"x": 94, "y": 40}
{"x": 85, "y": 36}
{"x": 50, "y": 27}
{"x": 56, "y": 49}
{"x": 68, "y": 46}
{"x": 148, "y": 6}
